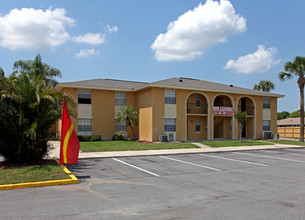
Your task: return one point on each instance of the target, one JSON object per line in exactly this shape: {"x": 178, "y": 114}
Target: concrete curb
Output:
{"x": 110, "y": 154}
{"x": 73, "y": 180}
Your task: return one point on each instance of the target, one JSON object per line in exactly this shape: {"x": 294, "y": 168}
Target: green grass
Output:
{"x": 130, "y": 145}
{"x": 32, "y": 174}
{"x": 234, "y": 143}
{"x": 287, "y": 142}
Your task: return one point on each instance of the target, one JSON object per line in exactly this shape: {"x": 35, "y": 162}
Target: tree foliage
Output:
{"x": 264, "y": 85}
{"x": 29, "y": 105}
{"x": 282, "y": 115}
{"x": 296, "y": 68}
{"x": 241, "y": 118}
{"x": 129, "y": 115}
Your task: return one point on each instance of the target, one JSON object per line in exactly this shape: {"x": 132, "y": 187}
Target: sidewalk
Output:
{"x": 54, "y": 153}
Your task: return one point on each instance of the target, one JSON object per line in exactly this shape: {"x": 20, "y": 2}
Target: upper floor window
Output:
{"x": 170, "y": 97}
{"x": 266, "y": 103}
{"x": 169, "y": 125}
{"x": 197, "y": 100}
{"x": 84, "y": 97}
{"x": 120, "y": 98}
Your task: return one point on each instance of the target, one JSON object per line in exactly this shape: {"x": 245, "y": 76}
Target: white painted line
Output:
{"x": 198, "y": 165}
{"x": 285, "y": 152}
{"x": 146, "y": 171}
{"x": 276, "y": 158}
{"x": 241, "y": 161}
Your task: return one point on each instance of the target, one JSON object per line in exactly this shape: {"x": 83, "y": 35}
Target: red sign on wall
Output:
{"x": 222, "y": 110}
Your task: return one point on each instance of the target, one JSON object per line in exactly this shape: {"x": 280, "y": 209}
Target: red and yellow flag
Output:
{"x": 69, "y": 146}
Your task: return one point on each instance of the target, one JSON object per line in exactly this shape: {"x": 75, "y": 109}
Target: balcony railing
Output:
{"x": 197, "y": 108}
{"x": 249, "y": 109}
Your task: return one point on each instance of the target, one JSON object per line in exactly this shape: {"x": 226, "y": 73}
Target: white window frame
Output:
{"x": 266, "y": 105}
{"x": 169, "y": 125}
{"x": 84, "y": 95}
{"x": 82, "y": 122}
{"x": 170, "y": 97}
{"x": 120, "y": 99}
{"x": 265, "y": 124}
{"x": 197, "y": 123}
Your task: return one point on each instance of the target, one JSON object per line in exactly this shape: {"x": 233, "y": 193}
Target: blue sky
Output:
{"x": 232, "y": 42}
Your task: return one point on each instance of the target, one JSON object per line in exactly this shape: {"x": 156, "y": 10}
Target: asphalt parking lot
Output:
{"x": 261, "y": 184}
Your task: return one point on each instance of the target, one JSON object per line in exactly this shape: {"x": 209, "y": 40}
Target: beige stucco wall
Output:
{"x": 158, "y": 112}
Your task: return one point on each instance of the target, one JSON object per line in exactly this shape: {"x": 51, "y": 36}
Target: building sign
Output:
{"x": 222, "y": 110}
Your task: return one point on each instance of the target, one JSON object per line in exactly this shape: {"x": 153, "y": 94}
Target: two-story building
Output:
{"x": 183, "y": 109}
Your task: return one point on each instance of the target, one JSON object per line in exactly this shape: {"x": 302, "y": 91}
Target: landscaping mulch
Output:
{"x": 5, "y": 165}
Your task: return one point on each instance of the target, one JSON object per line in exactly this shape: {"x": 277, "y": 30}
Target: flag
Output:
{"x": 69, "y": 145}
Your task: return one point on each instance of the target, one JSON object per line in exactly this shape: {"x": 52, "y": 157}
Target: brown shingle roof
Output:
{"x": 175, "y": 83}
{"x": 289, "y": 121}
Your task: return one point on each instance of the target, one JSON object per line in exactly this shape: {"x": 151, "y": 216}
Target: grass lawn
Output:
{"x": 234, "y": 143}
{"x": 35, "y": 173}
{"x": 287, "y": 142}
{"x": 130, "y": 145}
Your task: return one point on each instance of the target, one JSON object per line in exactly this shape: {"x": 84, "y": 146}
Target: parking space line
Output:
{"x": 241, "y": 161}
{"x": 146, "y": 171}
{"x": 198, "y": 165}
{"x": 276, "y": 158}
{"x": 286, "y": 152}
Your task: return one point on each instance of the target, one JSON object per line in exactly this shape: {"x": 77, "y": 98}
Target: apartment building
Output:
{"x": 183, "y": 109}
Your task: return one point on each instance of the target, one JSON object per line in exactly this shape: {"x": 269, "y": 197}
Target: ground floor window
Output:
{"x": 84, "y": 125}
{"x": 169, "y": 125}
{"x": 120, "y": 127}
{"x": 197, "y": 126}
{"x": 266, "y": 125}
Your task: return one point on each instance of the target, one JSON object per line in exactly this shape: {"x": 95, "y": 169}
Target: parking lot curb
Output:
{"x": 73, "y": 180}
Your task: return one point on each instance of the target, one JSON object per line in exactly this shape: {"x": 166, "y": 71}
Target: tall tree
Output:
{"x": 129, "y": 115}
{"x": 29, "y": 105}
{"x": 296, "y": 68}
{"x": 264, "y": 85}
{"x": 36, "y": 67}
{"x": 241, "y": 118}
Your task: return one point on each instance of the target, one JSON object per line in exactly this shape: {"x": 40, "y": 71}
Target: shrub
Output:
{"x": 86, "y": 138}
{"x": 118, "y": 136}
{"x": 95, "y": 138}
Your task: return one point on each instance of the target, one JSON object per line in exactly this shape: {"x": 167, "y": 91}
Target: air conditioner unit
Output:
{"x": 171, "y": 137}
{"x": 267, "y": 135}
{"x": 163, "y": 138}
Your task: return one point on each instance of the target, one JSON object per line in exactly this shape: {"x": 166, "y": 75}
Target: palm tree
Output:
{"x": 264, "y": 85}
{"x": 29, "y": 105}
{"x": 37, "y": 67}
{"x": 297, "y": 68}
{"x": 129, "y": 115}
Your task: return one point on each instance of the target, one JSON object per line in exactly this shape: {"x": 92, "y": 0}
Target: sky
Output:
{"x": 232, "y": 42}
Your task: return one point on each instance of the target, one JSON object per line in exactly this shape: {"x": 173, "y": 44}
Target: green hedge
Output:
{"x": 86, "y": 138}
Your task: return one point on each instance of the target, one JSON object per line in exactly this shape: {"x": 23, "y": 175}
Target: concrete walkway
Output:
{"x": 54, "y": 152}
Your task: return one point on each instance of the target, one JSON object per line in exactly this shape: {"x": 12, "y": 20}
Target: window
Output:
{"x": 84, "y": 97}
{"x": 170, "y": 97}
{"x": 197, "y": 100}
{"x": 266, "y": 125}
{"x": 266, "y": 103}
{"x": 169, "y": 125}
{"x": 121, "y": 127}
{"x": 120, "y": 99}
{"x": 84, "y": 125}
{"x": 197, "y": 122}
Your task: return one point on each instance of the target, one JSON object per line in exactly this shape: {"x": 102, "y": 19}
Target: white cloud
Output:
{"x": 259, "y": 61}
{"x": 86, "y": 53}
{"x": 90, "y": 38}
{"x": 112, "y": 29}
{"x": 30, "y": 29}
{"x": 197, "y": 30}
